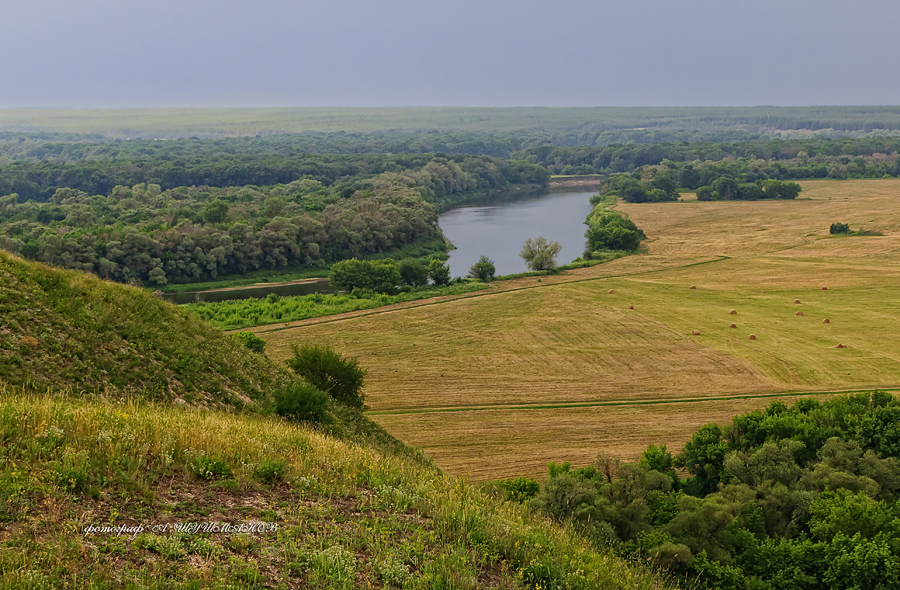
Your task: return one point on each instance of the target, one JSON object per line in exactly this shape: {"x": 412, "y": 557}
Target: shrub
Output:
{"x": 483, "y": 270}
{"x": 271, "y": 471}
{"x": 378, "y": 275}
{"x": 211, "y": 468}
{"x": 438, "y": 272}
{"x": 251, "y": 341}
{"x": 302, "y": 402}
{"x": 608, "y": 230}
{"x": 327, "y": 370}
{"x": 412, "y": 272}
{"x": 520, "y": 489}
{"x": 839, "y": 228}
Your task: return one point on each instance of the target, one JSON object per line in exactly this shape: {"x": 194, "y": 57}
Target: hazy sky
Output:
{"x": 455, "y": 52}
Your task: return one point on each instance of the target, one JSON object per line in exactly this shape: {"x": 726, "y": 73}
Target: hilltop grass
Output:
{"x": 566, "y": 340}
{"x": 346, "y": 516}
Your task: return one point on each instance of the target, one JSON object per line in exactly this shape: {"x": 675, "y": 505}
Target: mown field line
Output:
{"x": 425, "y": 303}
{"x": 563, "y": 405}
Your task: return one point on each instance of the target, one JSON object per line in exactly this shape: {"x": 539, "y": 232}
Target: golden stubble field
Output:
{"x": 468, "y": 379}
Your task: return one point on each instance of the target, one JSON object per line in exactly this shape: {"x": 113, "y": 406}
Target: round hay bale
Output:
{"x": 799, "y": 313}
{"x": 733, "y": 326}
{"x": 841, "y": 346}
{"x": 826, "y": 321}
{"x": 693, "y": 286}
{"x": 752, "y": 336}
{"x": 824, "y": 288}
{"x": 796, "y": 301}
{"x": 630, "y": 306}
{"x": 610, "y": 292}
{"x": 696, "y": 332}
{"x": 733, "y": 312}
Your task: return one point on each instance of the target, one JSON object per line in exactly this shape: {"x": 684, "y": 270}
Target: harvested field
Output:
{"x": 565, "y": 340}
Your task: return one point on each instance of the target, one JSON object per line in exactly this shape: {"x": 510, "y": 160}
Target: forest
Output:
{"x": 191, "y": 210}
{"x": 148, "y": 233}
{"x": 800, "y": 497}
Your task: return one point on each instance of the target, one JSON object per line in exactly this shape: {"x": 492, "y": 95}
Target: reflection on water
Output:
{"x": 499, "y": 230}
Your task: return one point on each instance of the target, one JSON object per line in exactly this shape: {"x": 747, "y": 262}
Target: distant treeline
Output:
{"x": 581, "y": 125}
{"x": 789, "y": 159}
{"x": 804, "y": 497}
{"x": 34, "y": 169}
{"x": 38, "y": 180}
{"x": 151, "y": 234}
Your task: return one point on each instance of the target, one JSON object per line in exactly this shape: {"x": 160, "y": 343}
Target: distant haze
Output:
{"x": 242, "y": 53}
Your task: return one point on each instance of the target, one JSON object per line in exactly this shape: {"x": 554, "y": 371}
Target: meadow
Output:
{"x": 499, "y": 382}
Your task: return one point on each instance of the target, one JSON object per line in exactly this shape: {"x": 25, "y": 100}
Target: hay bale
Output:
{"x": 610, "y": 292}
{"x": 630, "y": 306}
{"x": 733, "y": 312}
{"x": 693, "y": 286}
{"x": 824, "y": 288}
{"x": 826, "y": 321}
{"x": 752, "y": 336}
{"x": 733, "y": 326}
{"x": 796, "y": 301}
{"x": 696, "y": 332}
{"x": 799, "y": 313}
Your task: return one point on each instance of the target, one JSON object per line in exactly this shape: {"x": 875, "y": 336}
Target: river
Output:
{"x": 499, "y": 230}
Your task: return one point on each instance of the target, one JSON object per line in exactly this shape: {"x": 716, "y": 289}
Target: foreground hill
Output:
{"x": 122, "y": 491}
{"x": 66, "y": 330}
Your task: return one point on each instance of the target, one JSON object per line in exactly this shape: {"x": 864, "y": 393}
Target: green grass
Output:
{"x": 65, "y": 329}
{"x": 245, "y": 313}
{"x": 346, "y": 515}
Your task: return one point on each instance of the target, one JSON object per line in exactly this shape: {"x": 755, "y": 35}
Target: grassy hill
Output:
{"x": 562, "y": 369}
{"x": 125, "y": 490}
{"x": 68, "y": 330}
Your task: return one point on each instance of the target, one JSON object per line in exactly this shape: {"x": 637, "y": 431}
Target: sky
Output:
{"x": 267, "y": 53}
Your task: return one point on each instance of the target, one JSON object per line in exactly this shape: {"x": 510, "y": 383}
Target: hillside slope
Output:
{"x": 68, "y": 330}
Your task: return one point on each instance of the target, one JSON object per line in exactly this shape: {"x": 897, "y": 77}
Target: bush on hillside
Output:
{"x": 251, "y": 341}
{"x": 324, "y": 368}
{"x": 301, "y": 402}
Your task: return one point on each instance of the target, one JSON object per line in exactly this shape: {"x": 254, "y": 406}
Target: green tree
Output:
{"x": 324, "y": 368}
{"x": 412, "y": 272}
{"x": 540, "y": 254}
{"x": 438, "y": 272}
{"x": 215, "y": 211}
{"x": 483, "y": 270}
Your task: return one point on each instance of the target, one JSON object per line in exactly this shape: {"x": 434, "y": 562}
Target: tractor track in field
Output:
{"x": 643, "y": 402}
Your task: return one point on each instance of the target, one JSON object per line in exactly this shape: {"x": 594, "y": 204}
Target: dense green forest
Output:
{"x": 802, "y": 497}
{"x": 152, "y": 234}
{"x": 190, "y": 210}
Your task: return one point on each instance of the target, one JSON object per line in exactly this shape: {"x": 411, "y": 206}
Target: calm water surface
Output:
{"x": 499, "y": 231}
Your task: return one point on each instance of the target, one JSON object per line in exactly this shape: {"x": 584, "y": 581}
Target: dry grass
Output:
{"x": 566, "y": 340}
{"x": 491, "y": 444}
